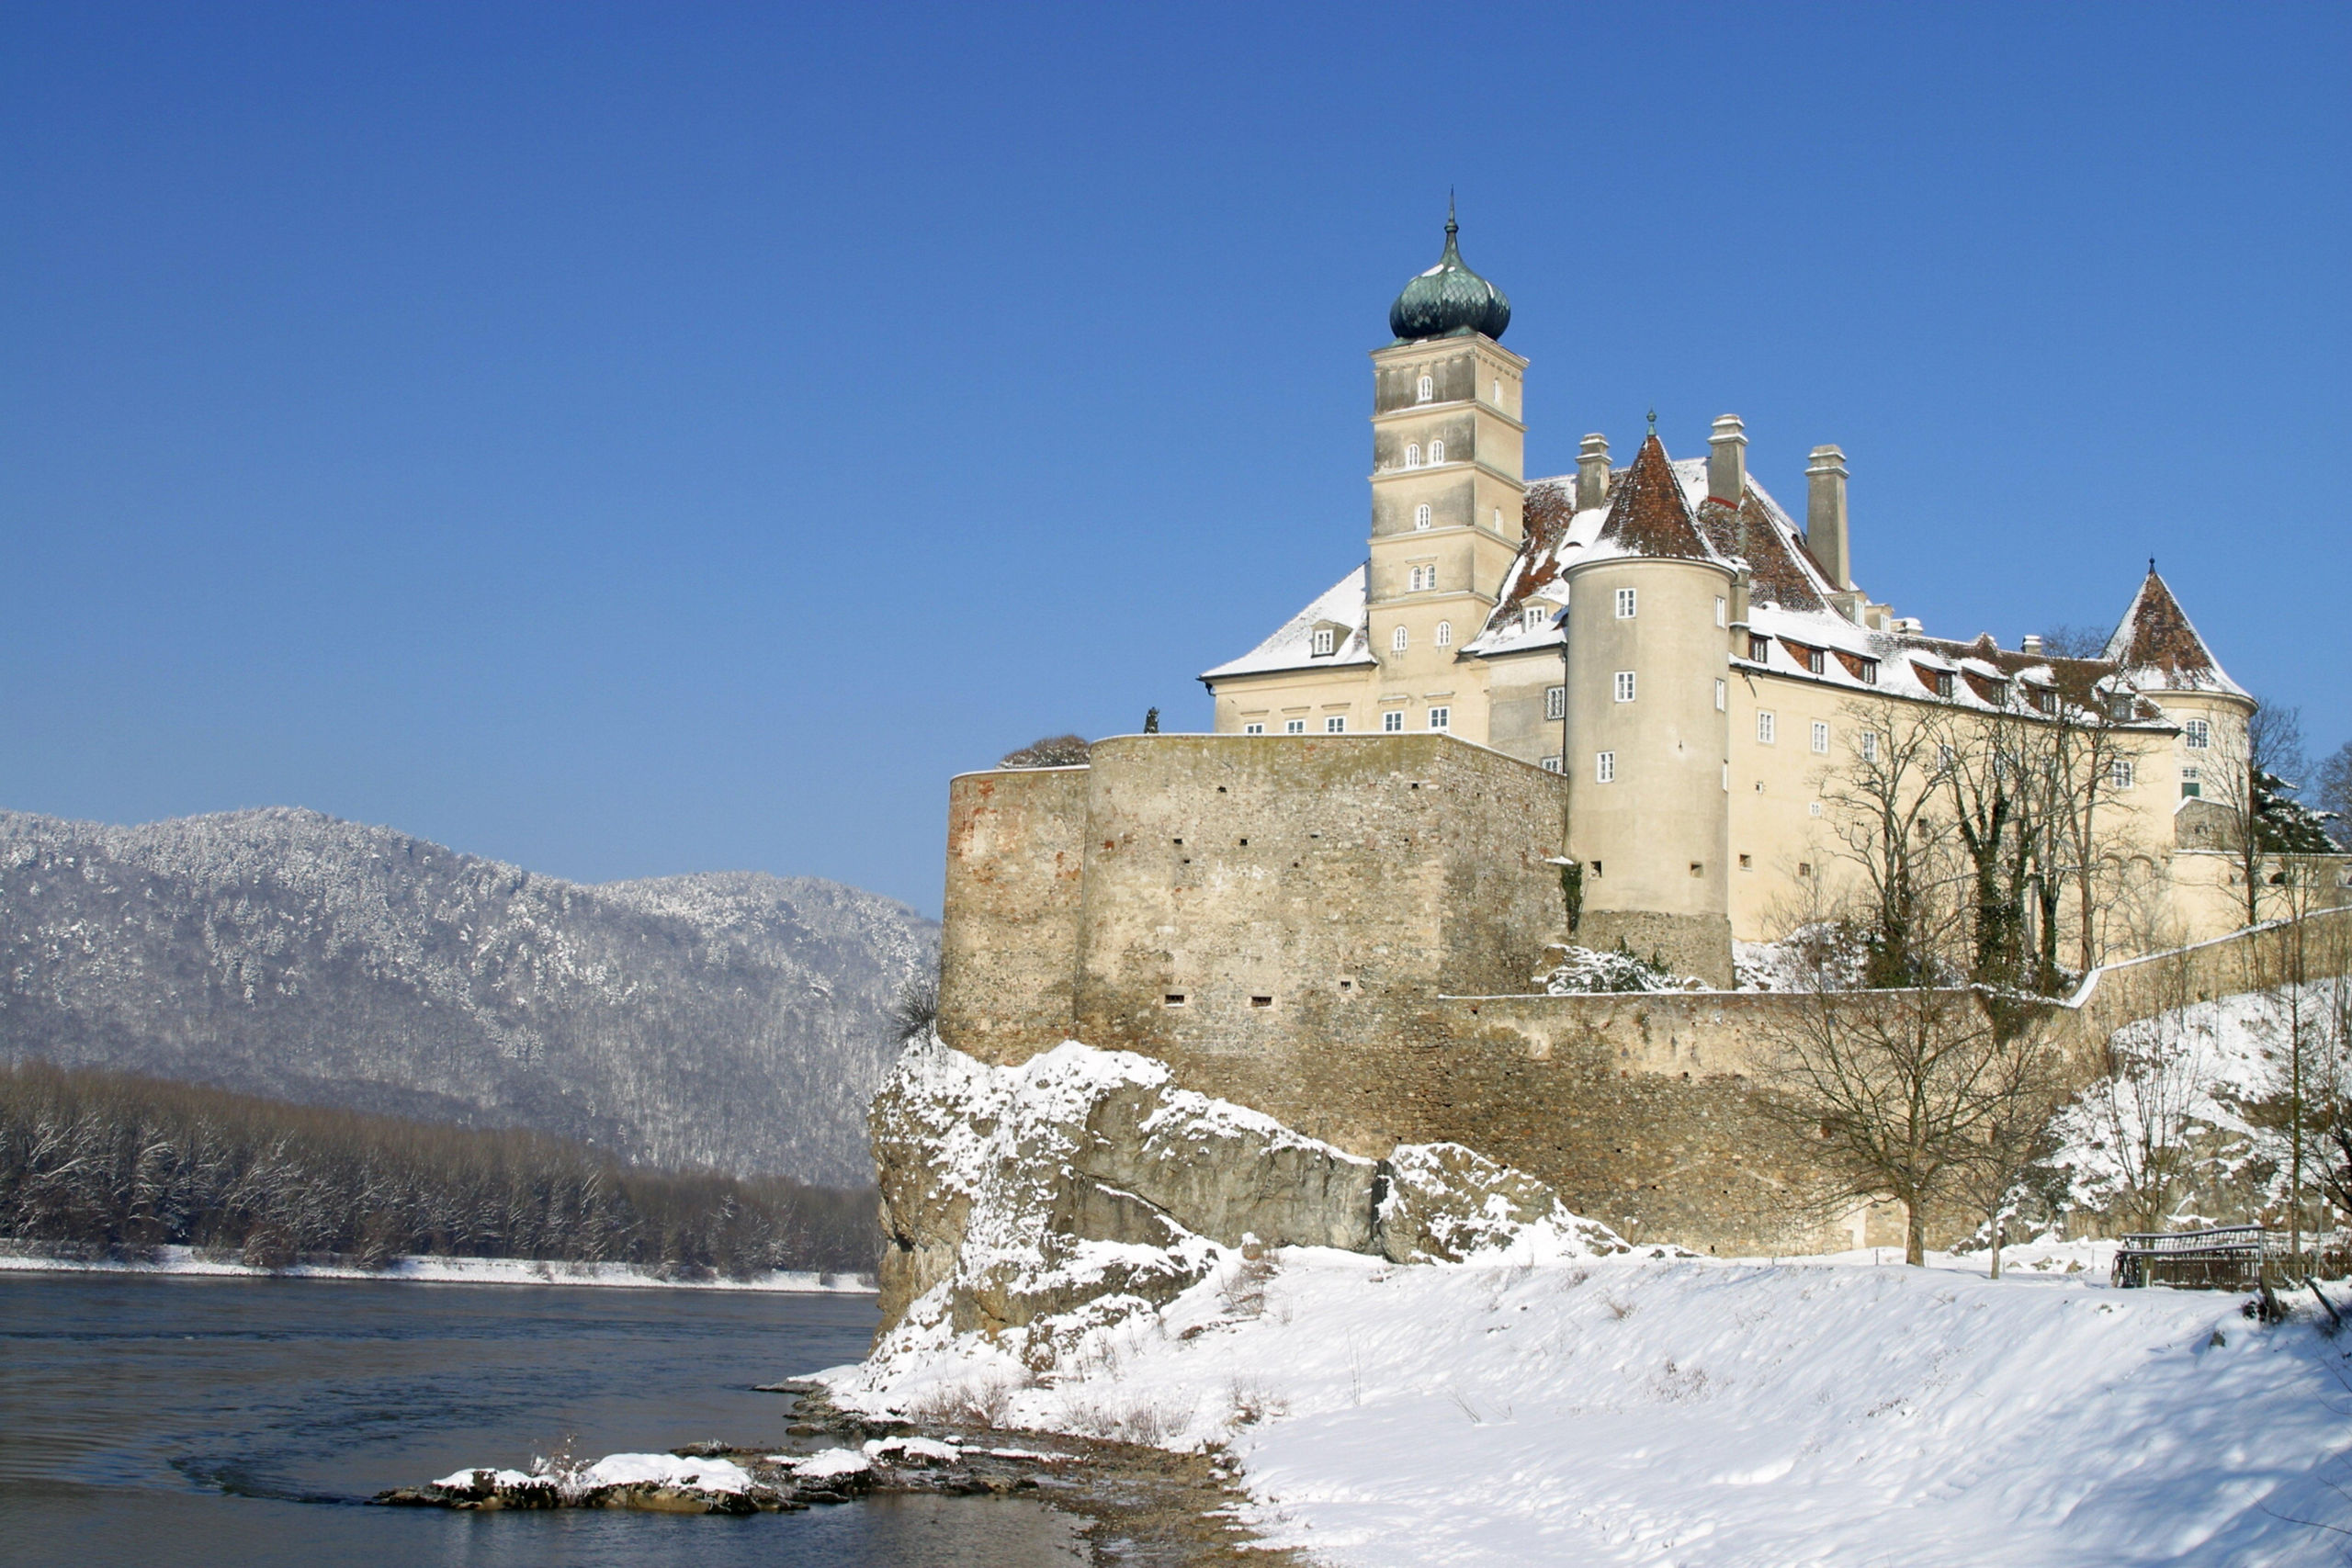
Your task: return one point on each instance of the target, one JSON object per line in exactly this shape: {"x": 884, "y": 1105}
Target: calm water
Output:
{"x": 148, "y": 1419}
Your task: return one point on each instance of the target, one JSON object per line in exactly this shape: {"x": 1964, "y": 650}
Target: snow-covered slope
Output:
{"x": 1696, "y": 1412}
{"x": 731, "y": 1019}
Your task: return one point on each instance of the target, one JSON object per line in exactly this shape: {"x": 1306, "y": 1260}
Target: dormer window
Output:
{"x": 1815, "y": 661}
{"x": 2046, "y": 701}
{"x": 1759, "y": 649}
{"x": 1325, "y": 640}
{"x": 1870, "y": 672}
{"x": 1412, "y": 454}
{"x": 1422, "y": 515}
{"x": 1534, "y": 618}
{"x": 1436, "y": 453}
{"x": 1426, "y": 389}
{"x": 1943, "y": 682}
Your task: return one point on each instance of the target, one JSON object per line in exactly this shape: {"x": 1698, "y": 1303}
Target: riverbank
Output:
{"x": 32, "y": 1258}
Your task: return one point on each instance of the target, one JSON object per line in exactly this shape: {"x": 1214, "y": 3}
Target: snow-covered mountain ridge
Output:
{"x": 733, "y": 1019}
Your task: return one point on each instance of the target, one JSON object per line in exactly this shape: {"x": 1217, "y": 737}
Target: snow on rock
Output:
{"x": 833, "y": 1464}
{"x": 1582, "y": 970}
{"x": 1444, "y": 1203}
{"x": 1037, "y": 1205}
{"x": 1712, "y": 1414}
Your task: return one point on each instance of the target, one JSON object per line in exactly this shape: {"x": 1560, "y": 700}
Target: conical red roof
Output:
{"x": 2156, "y": 648}
{"x": 1647, "y": 513}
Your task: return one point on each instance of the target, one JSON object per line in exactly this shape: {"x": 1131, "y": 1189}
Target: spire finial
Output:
{"x": 1450, "y": 226}
{"x": 2151, "y": 566}
{"x": 1653, "y": 422}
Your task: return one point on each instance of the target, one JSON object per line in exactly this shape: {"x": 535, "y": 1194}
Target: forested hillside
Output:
{"x": 734, "y": 1020}
{"x": 110, "y": 1161}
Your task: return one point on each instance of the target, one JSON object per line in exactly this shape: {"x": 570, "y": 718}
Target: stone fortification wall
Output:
{"x": 1015, "y": 851}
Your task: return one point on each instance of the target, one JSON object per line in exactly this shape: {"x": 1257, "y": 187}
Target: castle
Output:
{"x": 1627, "y": 706}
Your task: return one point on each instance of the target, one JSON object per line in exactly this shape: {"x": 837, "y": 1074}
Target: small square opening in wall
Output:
{"x": 1347, "y": 985}
{"x": 1804, "y": 868}
{"x": 1596, "y": 868}
{"x": 1698, "y": 868}
{"x": 1748, "y": 863}
{"x": 1173, "y": 1000}
{"x": 1261, "y": 1001}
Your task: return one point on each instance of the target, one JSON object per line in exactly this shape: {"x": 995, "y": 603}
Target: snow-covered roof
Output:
{"x": 1293, "y": 648}
{"x": 2157, "y": 649}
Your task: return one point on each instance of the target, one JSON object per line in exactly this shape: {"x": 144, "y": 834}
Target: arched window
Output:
{"x": 1436, "y": 453}
{"x": 1397, "y": 639}
{"x": 1426, "y": 391}
{"x": 1422, "y": 515}
{"x": 1499, "y": 519}
{"x": 1445, "y": 634}
{"x": 1412, "y": 454}
{"x": 1498, "y": 394}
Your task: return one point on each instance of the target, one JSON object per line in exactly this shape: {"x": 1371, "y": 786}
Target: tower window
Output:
{"x": 1336, "y": 725}
{"x": 1604, "y": 767}
{"x": 1253, "y": 729}
{"x": 1422, "y": 515}
{"x": 1436, "y": 453}
{"x": 1412, "y": 454}
{"x": 1445, "y": 634}
{"x": 1397, "y": 639}
{"x": 1820, "y": 738}
{"x": 1421, "y": 578}
{"x": 2195, "y": 734}
{"x": 1497, "y": 399}
{"x": 1765, "y": 726}
{"x": 1624, "y": 603}
{"x": 1556, "y": 702}
{"x": 2190, "y": 789}
{"x": 1722, "y": 693}
{"x": 1625, "y": 685}
{"x": 1324, "y": 638}
{"x": 1723, "y": 611}
{"x": 1393, "y": 721}
{"x": 1294, "y": 726}
{"x": 1441, "y": 718}
{"x": 1426, "y": 391}
{"x": 2119, "y": 776}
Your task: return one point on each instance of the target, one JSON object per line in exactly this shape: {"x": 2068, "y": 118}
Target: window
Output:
{"x": 1943, "y": 682}
{"x": 1497, "y": 399}
{"x": 1422, "y": 515}
{"x": 1722, "y": 694}
{"x": 1294, "y": 726}
{"x": 1421, "y": 579}
{"x": 1412, "y": 454}
{"x": 2119, "y": 775}
{"x": 1324, "y": 638}
{"x": 1945, "y": 757}
{"x": 1748, "y": 863}
{"x": 1436, "y": 453}
{"x": 1556, "y": 702}
{"x": 2046, "y": 701}
{"x": 1392, "y": 721}
{"x": 1869, "y": 746}
{"x": 1870, "y": 672}
{"x": 1759, "y": 649}
{"x": 1499, "y": 519}
{"x": 1723, "y": 611}
{"x": 1535, "y": 618}
{"x": 2196, "y": 735}
{"x": 1604, "y": 771}
{"x": 1426, "y": 391}
{"x": 1397, "y": 639}
{"x": 1625, "y": 685}
{"x": 1261, "y": 1001}
{"x": 1445, "y": 634}
{"x": 1815, "y": 661}
{"x": 1173, "y": 1000}
{"x": 2190, "y": 789}
{"x": 1253, "y": 729}
{"x": 1441, "y": 718}
{"x": 1624, "y": 603}
{"x": 1804, "y": 868}
{"x": 1820, "y": 738}
{"x": 1549, "y": 764}
{"x": 1764, "y": 725}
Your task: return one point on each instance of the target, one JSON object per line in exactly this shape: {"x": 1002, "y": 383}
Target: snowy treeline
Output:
{"x": 735, "y": 1020}
{"x": 108, "y": 1161}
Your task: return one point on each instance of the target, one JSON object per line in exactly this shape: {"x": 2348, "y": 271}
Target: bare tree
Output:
{"x": 2334, "y": 793}
{"x": 2250, "y": 782}
{"x": 2020, "y": 1093}
{"x": 1052, "y": 752}
{"x": 1897, "y": 1092}
{"x": 2146, "y": 1109}
{"x": 1881, "y": 810}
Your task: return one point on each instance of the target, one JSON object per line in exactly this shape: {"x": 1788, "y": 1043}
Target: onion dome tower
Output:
{"x": 1449, "y": 299}
{"x": 1448, "y": 491}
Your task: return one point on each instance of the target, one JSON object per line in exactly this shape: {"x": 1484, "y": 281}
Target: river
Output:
{"x": 158, "y": 1419}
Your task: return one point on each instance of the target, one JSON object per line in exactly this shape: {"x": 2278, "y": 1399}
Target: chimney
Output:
{"x": 1824, "y": 515}
{"x": 1593, "y": 472}
{"x": 2033, "y": 645}
{"x": 1727, "y": 461}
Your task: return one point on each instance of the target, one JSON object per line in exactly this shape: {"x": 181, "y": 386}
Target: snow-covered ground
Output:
{"x": 1689, "y": 1411}
{"x": 436, "y": 1270}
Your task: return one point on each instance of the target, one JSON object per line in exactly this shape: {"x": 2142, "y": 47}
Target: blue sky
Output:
{"x": 626, "y": 441}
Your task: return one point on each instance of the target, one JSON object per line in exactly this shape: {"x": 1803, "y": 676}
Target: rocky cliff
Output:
{"x": 734, "y": 1020}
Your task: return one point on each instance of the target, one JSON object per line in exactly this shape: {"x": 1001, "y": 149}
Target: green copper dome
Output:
{"x": 1449, "y": 300}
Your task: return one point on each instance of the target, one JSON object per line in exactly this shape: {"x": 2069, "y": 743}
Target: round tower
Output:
{"x": 1648, "y": 739}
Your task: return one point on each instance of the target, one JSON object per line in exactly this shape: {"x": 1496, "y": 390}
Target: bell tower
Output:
{"x": 1448, "y": 488}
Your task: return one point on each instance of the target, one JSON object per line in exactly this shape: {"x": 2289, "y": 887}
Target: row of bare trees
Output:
{"x": 108, "y": 1161}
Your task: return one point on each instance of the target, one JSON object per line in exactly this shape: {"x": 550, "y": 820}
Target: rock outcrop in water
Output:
{"x": 1083, "y": 1184}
